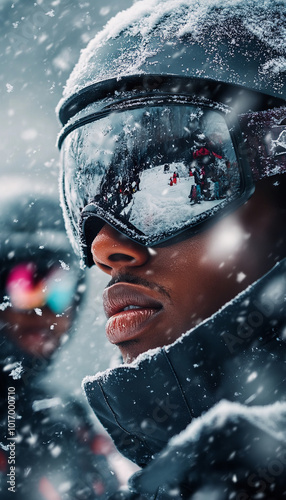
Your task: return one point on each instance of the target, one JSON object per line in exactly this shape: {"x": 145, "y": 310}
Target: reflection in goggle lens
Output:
{"x": 27, "y": 290}
{"x": 151, "y": 172}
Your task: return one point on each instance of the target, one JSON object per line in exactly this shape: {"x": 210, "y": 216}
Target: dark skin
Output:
{"x": 37, "y": 335}
{"x": 190, "y": 280}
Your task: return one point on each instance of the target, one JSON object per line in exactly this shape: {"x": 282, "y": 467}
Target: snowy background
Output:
{"x": 40, "y": 43}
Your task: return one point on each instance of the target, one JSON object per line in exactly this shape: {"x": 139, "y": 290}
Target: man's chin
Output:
{"x": 129, "y": 350}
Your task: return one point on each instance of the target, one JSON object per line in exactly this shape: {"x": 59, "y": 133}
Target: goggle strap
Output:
{"x": 264, "y": 134}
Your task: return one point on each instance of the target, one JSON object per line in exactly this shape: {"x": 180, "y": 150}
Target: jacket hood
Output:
{"x": 237, "y": 355}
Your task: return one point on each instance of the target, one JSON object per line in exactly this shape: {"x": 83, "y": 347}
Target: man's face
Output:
{"x": 155, "y": 295}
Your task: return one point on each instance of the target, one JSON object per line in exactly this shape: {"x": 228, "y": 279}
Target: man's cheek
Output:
{"x": 226, "y": 241}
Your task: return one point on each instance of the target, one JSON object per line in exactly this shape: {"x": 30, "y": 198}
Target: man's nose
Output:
{"x": 113, "y": 251}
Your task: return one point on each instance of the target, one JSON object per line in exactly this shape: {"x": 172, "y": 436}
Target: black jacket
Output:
{"x": 48, "y": 439}
{"x": 239, "y": 356}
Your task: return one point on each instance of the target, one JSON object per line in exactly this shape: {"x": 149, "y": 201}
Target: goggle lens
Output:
{"x": 26, "y": 290}
{"x": 152, "y": 171}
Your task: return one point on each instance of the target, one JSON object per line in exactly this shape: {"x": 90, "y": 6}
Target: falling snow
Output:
{"x": 9, "y": 87}
{"x": 41, "y": 42}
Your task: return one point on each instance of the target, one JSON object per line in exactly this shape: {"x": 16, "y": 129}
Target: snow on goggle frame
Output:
{"x": 29, "y": 288}
{"x": 156, "y": 167}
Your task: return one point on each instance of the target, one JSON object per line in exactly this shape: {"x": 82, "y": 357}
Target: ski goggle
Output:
{"x": 156, "y": 167}
{"x": 28, "y": 287}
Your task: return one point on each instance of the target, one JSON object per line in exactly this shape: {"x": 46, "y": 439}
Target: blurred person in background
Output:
{"x": 58, "y": 453}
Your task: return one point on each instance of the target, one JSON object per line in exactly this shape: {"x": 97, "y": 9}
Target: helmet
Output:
{"x": 233, "y": 53}
{"x": 239, "y": 42}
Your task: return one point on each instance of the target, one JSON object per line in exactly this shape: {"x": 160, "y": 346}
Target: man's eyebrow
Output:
{"x": 136, "y": 280}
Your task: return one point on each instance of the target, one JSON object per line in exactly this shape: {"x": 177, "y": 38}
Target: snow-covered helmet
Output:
{"x": 232, "y": 53}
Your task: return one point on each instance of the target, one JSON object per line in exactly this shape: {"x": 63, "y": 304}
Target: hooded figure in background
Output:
{"x": 196, "y": 298}
{"x": 49, "y": 448}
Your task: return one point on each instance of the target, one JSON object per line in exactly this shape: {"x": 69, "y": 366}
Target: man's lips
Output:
{"x": 129, "y": 309}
